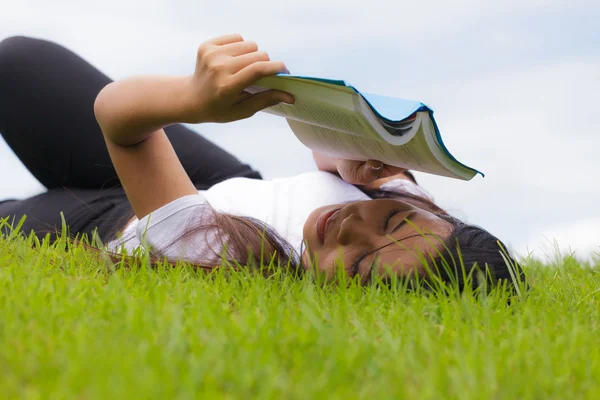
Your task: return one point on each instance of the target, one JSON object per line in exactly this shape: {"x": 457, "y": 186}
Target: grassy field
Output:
{"x": 72, "y": 327}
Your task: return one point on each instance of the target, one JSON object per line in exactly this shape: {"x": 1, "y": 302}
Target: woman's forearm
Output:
{"x": 131, "y": 109}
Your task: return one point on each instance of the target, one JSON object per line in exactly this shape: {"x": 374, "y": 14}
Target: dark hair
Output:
{"x": 471, "y": 253}
{"x": 235, "y": 241}
{"x": 466, "y": 254}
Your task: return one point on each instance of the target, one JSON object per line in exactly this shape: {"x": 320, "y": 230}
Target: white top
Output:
{"x": 282, "y": 203}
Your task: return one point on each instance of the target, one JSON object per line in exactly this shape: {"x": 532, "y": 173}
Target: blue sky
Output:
{"x": 513, "y": 86}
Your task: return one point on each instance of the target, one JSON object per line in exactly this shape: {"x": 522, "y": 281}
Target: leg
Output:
{"x": 47, "y": 95}
{"x": 85, "y": 210}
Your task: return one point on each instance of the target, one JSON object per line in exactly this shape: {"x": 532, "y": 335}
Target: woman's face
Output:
{"x": 352, "y": 234}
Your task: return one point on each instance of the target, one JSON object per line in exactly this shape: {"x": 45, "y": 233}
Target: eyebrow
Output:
{"x": 403, "y": 222}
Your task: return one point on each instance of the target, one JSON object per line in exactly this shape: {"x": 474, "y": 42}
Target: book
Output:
{"x": 331, "y": 117}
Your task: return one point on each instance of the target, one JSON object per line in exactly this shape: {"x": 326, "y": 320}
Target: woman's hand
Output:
{"x": 356, "y": 172}
{"x": 365, "y": 172}
{"x": 225, "y": 66}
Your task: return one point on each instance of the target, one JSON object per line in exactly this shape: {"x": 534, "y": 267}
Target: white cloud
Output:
{"x": 143, "y": 30}
{"x": 580, "y": 237}
{"x": 16, "y": 182}
{"x": 530, "y": 124}
{"x": 533, "y": 133}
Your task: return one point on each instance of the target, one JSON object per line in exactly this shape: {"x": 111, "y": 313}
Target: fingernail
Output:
{"x": 375, "y": 165}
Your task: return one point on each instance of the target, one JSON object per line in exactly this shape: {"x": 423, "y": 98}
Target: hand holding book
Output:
{"x": 335, "y": 119}
{"x": 356, "y": 172}
{"x": 365, "y": 172}
{"x": 225, "y": 65}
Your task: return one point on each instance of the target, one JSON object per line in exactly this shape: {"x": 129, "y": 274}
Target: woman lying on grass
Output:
{"x": 115, "y": 159}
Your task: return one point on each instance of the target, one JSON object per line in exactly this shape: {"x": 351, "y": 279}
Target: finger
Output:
{"x": 374, "y": 164}
{"x": 243, "y": 96}
{"x": 241, "y": 62}
{"x": 359, "y": 172}
{"x": 239, "y": 48}
{"x": 255, "y": 71}
{"x": 260, "y": 101}
{"x": 390, "y": 170}
{"x": 225, "y": 39}
{"x": 369, "y": 171}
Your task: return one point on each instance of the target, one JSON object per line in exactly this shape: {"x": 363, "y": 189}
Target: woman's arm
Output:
{"x": 370, "y": 174}
{"x": 133, "y": 112}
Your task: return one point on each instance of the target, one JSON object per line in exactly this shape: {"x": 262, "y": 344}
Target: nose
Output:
{"x": 353, "y": 230}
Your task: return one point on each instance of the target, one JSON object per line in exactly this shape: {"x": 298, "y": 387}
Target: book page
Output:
{"x": 414, "y": 155}
{"x": 329, "y": 117}
{"x": 443, "y": 156}
{"x": 326, "y": 105}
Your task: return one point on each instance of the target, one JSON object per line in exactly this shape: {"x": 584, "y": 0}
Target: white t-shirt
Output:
{"x": 282, "y": 203}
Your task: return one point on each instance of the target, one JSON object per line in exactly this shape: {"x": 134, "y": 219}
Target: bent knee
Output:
{"x": 16, "y": 44}
{"x": 17, "y": 50}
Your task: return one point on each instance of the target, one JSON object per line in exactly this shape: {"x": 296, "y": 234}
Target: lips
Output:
{"x": 322, "y": 224}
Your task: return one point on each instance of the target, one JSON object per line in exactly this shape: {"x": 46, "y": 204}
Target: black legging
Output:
{"x": 47, "y": 95}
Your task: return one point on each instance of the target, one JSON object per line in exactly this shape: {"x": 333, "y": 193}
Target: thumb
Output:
{"x": 262, "y": 100}
{"x": 359, "y": 172}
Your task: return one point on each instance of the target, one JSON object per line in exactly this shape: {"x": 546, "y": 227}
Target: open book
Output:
{"x": 336, "y": 119}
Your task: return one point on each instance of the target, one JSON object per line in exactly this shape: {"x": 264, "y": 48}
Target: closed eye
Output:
{"x": 388, "y": 217}
{"x": 404, "y": 221}
{"x": 356, "y": 264}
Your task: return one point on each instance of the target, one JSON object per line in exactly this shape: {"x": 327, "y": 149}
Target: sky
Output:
{"x": 513, "y": 85}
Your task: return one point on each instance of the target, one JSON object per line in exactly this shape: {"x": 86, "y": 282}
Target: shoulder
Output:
{"x": 163, "y": 228}
{"x": 176, "y": 209}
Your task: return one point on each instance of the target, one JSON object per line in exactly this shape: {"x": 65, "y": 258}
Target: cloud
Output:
{"x": 581, "y": 237}
{"x": 19, "y": 183}
{"x": 513, "y": 93}
{"x": 533, "y": 132}
{"x": 111, "y": 26}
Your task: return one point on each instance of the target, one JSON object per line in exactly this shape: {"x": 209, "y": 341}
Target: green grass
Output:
{"x": 72, "y": 327}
